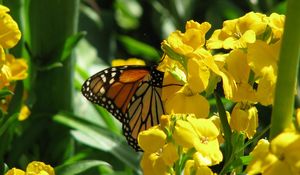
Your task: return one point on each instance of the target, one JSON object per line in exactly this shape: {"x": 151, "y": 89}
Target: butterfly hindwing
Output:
{"x": 130, "y": 93}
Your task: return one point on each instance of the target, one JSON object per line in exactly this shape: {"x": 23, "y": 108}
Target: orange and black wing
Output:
{"x": 130, "y": 93}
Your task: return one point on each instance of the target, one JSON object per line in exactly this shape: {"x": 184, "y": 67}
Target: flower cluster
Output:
{"x": 33, "y": 168}
{"x": 280, "y": 156}
{"x": 181, "y": 141}
{"x": 247, "y": 68}
{"x": 243, "y": 56}
{"x": 11, "y": 69}
{"x": 253, "y": 42}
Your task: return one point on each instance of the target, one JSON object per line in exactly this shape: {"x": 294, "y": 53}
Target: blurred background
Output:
{"x": 67, "y": 41}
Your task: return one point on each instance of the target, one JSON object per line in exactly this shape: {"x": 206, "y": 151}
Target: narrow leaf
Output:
{"x": 100, "y": 138}
{"x": 78, "y": 167}
{"x": 4, "y": 93}
{"x": 226, "y": 127}
{"x": 139, "y": 48}
{"x": 10, "y": 121}
{"x": 70, "y": 44}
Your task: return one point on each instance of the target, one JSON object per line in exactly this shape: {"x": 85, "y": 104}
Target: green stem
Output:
{"x": 225, "y": 126}
{"x": 287, "y": 71}
{"x": 49, "y": 24}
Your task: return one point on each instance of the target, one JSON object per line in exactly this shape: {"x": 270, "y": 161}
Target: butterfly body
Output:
{"x": 130, "y": 93}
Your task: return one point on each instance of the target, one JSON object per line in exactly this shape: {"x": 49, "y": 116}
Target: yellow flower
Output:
{"x": 262, "y": 59}
{"x": 229, "y": 84}
{"x": 281, "y": 156}
{"x": 130, "y": 61}
{"x": 188, "y": 42}
{"x": 244, "y": 118}
{"x": 159, "y": 156}
{"x": 5, "y": 74}
{"x": 261, "y": 158}
{"x": 298, "y": 117}
{"x": 169, "y": 91}
{"x": 169, "y": 154}
{"x": 195, "y": 80}
{"x": 234, "y": 71}
{"x": 153, "y": 163}
{"x": 260, "y": 55}
{"x": 202, "y": 135}
{"x": 165, "y": 121}
{"x": 3, "y": 9}
{"x": 276, "y": 22}
{"x": 39, "y": 168}
{"x": 33, "y": 168}
{"x": 15, "y": 171}
{"x": 184, "y": 134}
{"x": 266, "y": 86}
{"x": 217, "y": 121}
{"x": 207, "y": 145}
{"x": 9, "y": 31}
{"x": 198, "y": 75}
{"x": 237, "y": 33}
{"x": 24, "y": 113}
{"x": 152, "y": 139}
{"x": 11, "y": 69}
{"x": 238, "y": 68}
{"x": 18, "y": 67}
{"x": 184, "y": 101}
{"x": 191, "y": 167}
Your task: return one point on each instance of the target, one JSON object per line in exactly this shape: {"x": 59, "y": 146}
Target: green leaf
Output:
{"x": 107, "y": 118}
{"x": 70, "y": 44}
{"x": 16, "y": 101}
{"x": 64, "y": 53}
{"x": 239, "y": 162}
{"x": 246, "y": 159}
{"x": 5, "y": 92}
{"x": 91, "y": 14}
{"x": 100, "y": 138}
{"x": 78, "y": 167}
{"x": 280, "y": 7}
{"x": 226, "y": 128}
{"x": 128, "y": 13}
{"x": 9, "y": 122}
{"x": 50, "y": 66}
{"x": 138, "y": 48}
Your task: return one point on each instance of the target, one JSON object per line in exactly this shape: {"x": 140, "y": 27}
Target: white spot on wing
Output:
{"x": 102, "y": 90}
{"x": 111, "y": 81}
{"x": 104, "y": 79}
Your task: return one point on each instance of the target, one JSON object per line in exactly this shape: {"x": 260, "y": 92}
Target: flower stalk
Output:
{"x": 287, "y": 71}
{"x": 51, "y": 82}
{"x": 48, "y": 32}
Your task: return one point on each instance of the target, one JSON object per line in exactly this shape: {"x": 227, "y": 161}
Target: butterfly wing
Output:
{"x": 130, "y": 93}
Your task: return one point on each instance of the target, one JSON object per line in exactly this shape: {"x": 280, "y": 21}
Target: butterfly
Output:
{"x": 132, "y": 94}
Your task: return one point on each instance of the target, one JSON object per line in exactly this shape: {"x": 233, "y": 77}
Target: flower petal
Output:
{"x": 36, "y": 167}
{"x": 152, "y": 139}
{"x": 180, "y": 102}
{"x": 15, "y": 171}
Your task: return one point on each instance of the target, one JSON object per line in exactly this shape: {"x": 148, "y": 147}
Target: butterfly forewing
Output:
{"x": 131, "y": 93}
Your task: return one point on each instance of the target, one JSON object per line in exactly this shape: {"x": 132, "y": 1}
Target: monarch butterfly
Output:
{"x": 130, "y": 93}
